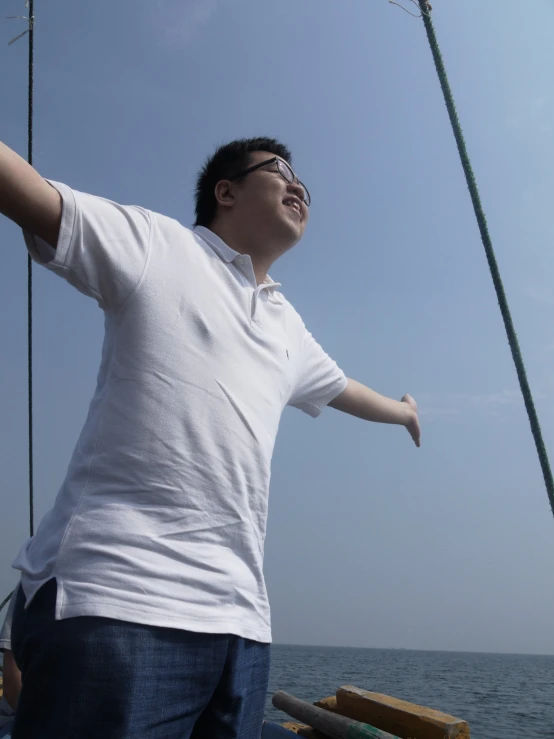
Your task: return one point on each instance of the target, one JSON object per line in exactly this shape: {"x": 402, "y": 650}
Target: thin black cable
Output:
{"x": 31, "y": 20}
{"x": 489, "y": 251}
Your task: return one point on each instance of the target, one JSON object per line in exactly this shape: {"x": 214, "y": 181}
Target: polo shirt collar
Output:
{"x": 229, "y": 255}
{"x": 217, "y": 244}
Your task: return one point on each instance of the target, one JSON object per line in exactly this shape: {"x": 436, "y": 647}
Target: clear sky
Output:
{"x": 370, "y": 541}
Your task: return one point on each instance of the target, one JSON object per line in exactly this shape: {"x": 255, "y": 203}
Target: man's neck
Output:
{"x": 261, "y": 262}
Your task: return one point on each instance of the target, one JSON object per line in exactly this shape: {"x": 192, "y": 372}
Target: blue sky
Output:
{"x": 370, "y": 541}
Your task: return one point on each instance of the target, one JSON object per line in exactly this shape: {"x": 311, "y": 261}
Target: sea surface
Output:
{"x": 501, "y": 696}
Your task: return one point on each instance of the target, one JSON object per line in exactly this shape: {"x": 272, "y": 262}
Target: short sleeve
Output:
{"x": 102, "y": 249}
{"x": 319, "y": 380}
{"x": 6, "y": 630}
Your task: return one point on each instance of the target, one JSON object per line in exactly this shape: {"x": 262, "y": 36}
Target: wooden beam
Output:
{"x": 271, "y": 730}
{"x": 329, "y": 704}
{"x": 406, "y": 720}
{"x": 303, "y": 730}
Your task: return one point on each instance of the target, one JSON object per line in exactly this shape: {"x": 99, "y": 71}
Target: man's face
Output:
{"x": 273, "y": 206}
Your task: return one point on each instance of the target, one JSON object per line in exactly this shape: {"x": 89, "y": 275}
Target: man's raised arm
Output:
{"x": 27, "y": 199}
{"x": 358, "y": 400}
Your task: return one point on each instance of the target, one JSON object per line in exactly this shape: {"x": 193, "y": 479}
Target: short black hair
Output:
{"x": 227, "y": 161}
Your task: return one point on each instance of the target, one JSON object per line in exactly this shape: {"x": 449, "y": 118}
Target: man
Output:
{"x": 146, "y": 610}
{"x": 11, "y": 676}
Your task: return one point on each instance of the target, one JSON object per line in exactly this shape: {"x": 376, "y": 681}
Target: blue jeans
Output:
{"x": 91, "y": 677}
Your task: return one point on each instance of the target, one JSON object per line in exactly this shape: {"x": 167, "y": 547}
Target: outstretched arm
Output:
{"x": 12, "y": 679}
{"x": 27, "y": 199}
{"x": 358, "y": 400}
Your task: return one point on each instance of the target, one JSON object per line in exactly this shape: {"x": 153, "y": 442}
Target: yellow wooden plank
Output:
{"x": 303, "y": 730}
{"x": 330, "y": 703}
{"x": 292, "y": 726}
{"x": 398, "y": 717}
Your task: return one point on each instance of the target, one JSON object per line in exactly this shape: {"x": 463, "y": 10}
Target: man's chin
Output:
{"x": 292, "y": 238}
{"x": 294, "y": 229}
{"x": 284, "y": 232}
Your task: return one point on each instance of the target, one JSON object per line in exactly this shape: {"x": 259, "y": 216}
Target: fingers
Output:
{"x": 415, "y": 432}
{"x": 413, "y": 425}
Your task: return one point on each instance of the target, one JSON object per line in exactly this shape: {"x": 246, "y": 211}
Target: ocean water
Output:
{"x": 501, "y": 696}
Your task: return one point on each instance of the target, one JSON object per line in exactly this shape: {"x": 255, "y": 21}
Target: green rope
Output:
{"x": 489, "y": 251}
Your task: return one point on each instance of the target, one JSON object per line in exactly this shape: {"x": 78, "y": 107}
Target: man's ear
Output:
{"x": 224, "y": 193}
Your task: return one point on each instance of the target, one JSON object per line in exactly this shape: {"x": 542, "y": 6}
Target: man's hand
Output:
{"x": 358, "y": 400}
{"x": 412, "y": 422}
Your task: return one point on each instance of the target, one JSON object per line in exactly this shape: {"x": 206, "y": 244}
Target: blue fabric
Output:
{"x": 92, "y": 677}
{"x": 6, "y": 730}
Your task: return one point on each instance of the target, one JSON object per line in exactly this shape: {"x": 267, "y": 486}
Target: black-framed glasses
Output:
{"x": 284, "y": 170}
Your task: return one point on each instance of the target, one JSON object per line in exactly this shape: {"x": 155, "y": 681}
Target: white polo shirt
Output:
{"x": 162, "y": 516}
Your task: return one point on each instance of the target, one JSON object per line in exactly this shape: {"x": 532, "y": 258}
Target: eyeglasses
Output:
{"x": 284, "y": 170}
